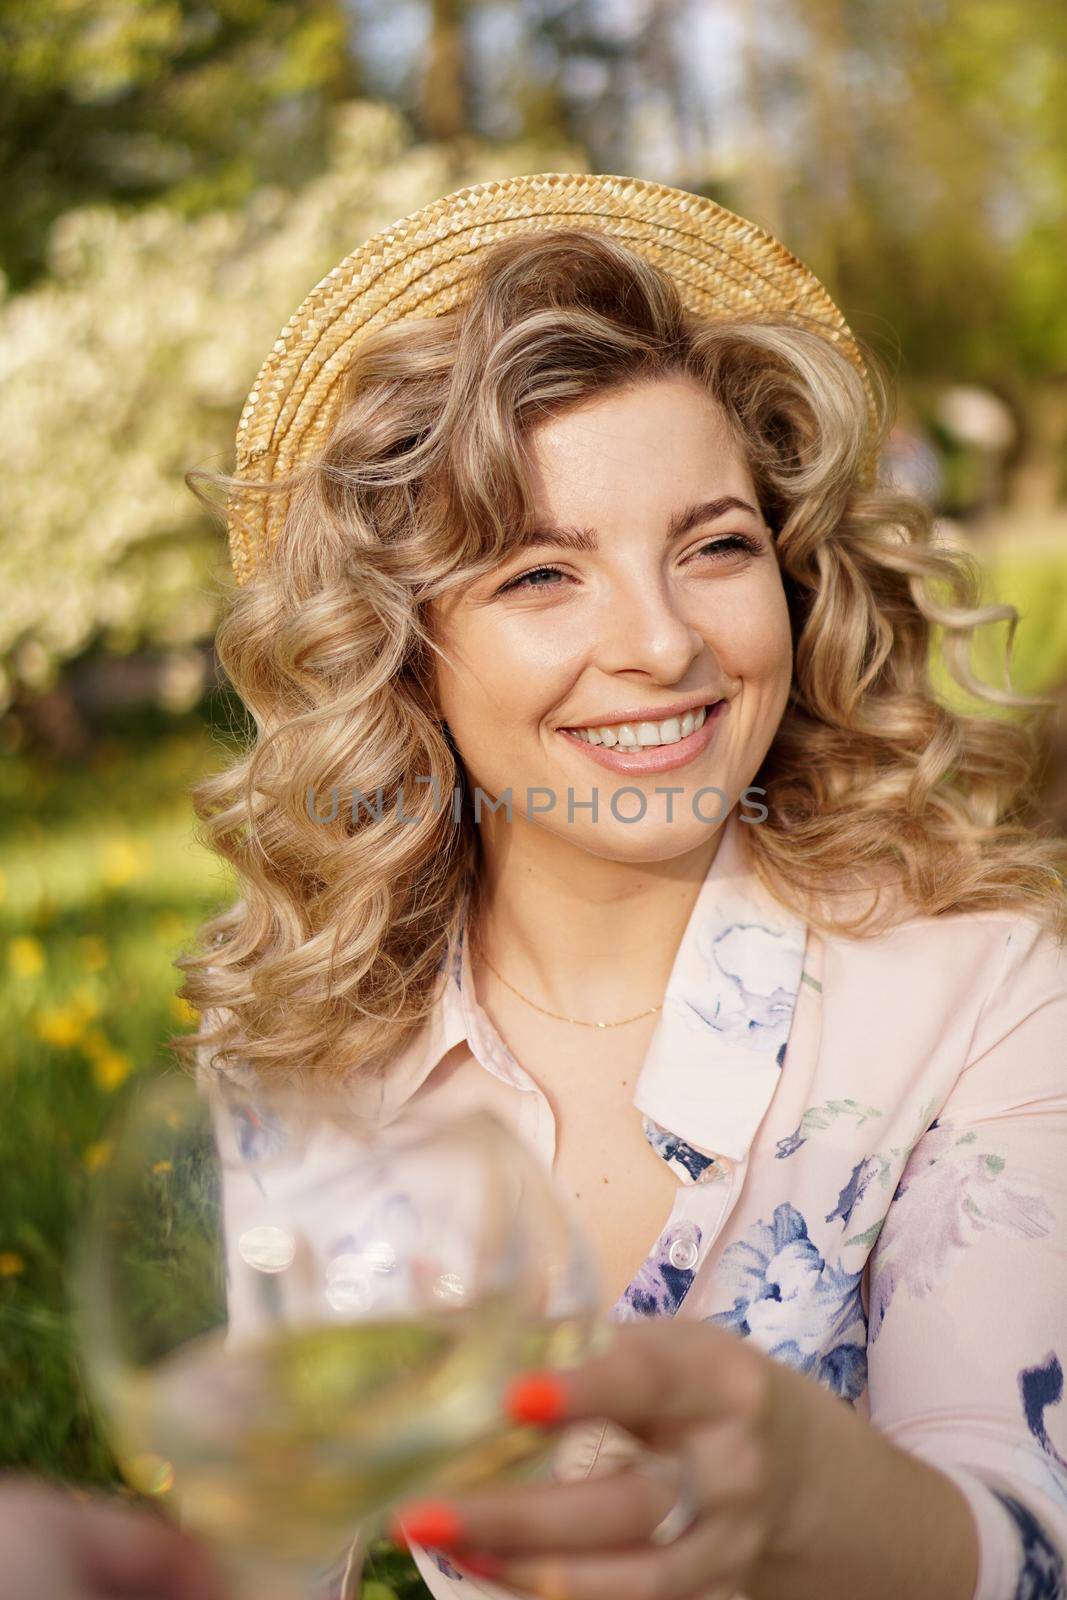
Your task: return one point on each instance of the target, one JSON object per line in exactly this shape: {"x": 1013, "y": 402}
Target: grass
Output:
{"x": 101, "y": 884}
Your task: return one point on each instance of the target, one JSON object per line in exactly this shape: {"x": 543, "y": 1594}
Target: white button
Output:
{"x": 379, "y": 1255}
{"x": 348, "y": 1284}
{"x": 683, "y": 1254}
{"x": 267, "y": 1249}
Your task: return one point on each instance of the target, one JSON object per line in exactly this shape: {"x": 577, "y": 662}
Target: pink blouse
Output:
{"x": 869, "y": 1138}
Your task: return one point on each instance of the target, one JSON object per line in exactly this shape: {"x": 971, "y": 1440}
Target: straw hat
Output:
{"x": 423, "y": 265}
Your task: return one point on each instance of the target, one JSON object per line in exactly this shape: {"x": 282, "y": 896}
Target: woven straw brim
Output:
{"x": 723, "y": 265}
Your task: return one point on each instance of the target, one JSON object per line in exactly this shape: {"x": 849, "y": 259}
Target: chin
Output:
{"x": 641, "y": 842}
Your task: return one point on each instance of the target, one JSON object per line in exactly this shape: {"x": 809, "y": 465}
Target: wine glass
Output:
{"x": 293, "y": 1314}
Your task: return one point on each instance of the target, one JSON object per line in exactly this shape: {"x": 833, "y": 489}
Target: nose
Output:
{"x": 643, "y": 628}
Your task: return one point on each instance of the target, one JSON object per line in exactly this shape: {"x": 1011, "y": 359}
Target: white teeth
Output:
{"x": 634, "y": 736}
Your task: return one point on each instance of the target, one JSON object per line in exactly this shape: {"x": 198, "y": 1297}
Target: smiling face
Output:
{"x": 667, "y": 601}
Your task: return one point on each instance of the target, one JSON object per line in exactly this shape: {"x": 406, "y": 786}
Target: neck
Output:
{"x": 577, "y": 933}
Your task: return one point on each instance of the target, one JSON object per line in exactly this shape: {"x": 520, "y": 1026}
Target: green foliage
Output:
{"x": 101, "y": 886}
{"x": 165, "y": 99}
{"x": 1032, "y": 578}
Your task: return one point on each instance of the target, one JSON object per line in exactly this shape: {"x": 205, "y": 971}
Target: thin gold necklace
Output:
{"x": 578, "y": 1021}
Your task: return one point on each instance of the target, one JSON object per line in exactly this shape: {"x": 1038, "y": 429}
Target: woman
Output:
{"x": 568, "y": 528}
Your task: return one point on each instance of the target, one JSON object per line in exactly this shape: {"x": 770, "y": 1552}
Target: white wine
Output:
{"x": 508, "y": 1451}
{"x": 281, "y": 1446}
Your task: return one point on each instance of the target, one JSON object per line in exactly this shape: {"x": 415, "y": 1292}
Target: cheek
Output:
{"x": 752, "y": 635}
{"x": 500, "y": 680}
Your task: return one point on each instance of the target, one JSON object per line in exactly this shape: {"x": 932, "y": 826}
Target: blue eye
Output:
{"x": 525, "y": 579}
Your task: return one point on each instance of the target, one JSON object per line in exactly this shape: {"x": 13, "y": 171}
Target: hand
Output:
{"x": 56, "y": 1547}
{"x": 735, "y": 1417}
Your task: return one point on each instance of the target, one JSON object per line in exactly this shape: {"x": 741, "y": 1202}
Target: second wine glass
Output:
{"x": 293, "y": 1316}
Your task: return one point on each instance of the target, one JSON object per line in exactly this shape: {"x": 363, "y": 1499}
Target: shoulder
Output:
{"x": 988, "y": 969}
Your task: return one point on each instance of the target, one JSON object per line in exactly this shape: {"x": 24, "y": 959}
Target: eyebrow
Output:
{"x": 680, "y": 522}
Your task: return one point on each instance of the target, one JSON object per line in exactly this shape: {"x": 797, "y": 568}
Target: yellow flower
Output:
{"x": 61, "y": 1026}
{"x": 93, "y": 952}
{"x": 110, "y": 1068}
{"x": 84, "y": 1001}
{"x": 25, "y": 956}
{"x": 123, "y": 859}
{"x": 12, "y": 1265}
{"x": 183, "y": 1011}
{"x": 97, "y": 1155}
{"x": 161, "y": 1168}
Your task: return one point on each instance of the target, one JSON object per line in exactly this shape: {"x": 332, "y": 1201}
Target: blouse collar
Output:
{"x": 713, "y": 1061}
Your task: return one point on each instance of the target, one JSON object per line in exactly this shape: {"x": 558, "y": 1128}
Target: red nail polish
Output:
{"x": 481, "y": 1564}
{"x": 536, "y": 1397}
{"x": 429, "y": 1522}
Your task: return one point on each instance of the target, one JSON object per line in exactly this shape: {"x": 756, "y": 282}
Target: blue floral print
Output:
{"x": 795, "y": 1305}
{"x": 690, "y": 1165}
{"x": 754, "y": 971}
{"x": 817, "y": 1118}
{"x": 1041, "y": 1571}
{"x": 1041, "y": 1387}
{"x": 260, "y": 1133}
{"x": 863, "y": 1175}
{"x": 660, "y": 1286}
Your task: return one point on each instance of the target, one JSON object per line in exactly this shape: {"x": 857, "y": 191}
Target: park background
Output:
{"x": 176, "y": 175}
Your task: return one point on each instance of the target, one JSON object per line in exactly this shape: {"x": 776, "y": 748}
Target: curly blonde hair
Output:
{"x": 329, "y": 957}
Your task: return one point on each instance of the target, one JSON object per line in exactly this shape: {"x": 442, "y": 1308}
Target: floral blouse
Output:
{"x": 869, "y": 1137}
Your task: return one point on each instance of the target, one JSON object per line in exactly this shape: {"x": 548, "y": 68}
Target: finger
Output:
{"x": 123, "y": 1551}
{"x": 653, "y": 1374}
{"x": 723, "y": 1472}
{"x": 711, "y": 1558}
{"x": 612, "y": 1509}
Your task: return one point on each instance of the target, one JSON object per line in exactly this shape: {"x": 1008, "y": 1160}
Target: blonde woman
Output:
{"x": 599, "y": 779}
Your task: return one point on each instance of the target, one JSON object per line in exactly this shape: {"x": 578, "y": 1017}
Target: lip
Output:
{"x": 673, "y": 708}
{"x": 653, "y": 758}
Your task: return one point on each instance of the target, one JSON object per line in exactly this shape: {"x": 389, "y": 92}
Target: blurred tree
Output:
{"x": 922, "y": 158}
{"x": 129, "y": 364}
{"x": 191, "y": 101}
{"x": 444, "y": 100}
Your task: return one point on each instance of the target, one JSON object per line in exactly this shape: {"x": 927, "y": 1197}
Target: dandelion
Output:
{"x": 161, "y": 1168}
{"x": 183, "y": 1012}
{"x": 84, "y": 1001}
{"x": 110, "y": 1069}
{"x": 12, "y": 1265}
{"x": 25, "y": 956}
{"x": 122, "y": 860}
{"x": 60, "y": 1026}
